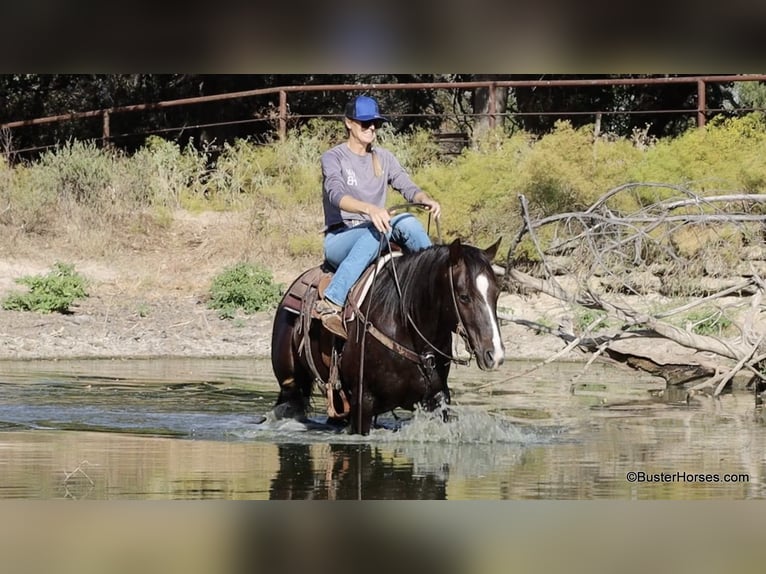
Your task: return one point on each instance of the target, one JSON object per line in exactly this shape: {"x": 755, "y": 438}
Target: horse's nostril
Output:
{"x": 489, "y": 356}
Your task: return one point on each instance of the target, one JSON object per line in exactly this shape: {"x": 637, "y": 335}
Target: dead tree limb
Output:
{"x": 679, "y": 242}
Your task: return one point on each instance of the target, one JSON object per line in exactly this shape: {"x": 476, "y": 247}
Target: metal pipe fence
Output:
{"x": 282, "y": 114}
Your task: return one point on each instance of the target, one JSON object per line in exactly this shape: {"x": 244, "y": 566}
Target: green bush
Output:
{"x": 585, "y": 318}
{"x": 55, "y": 291}
{"x": 163, "y": 174}
{"x": 245, "y": 286}
{"x": 78, "y": 172}
{"x": 726, "y": 154}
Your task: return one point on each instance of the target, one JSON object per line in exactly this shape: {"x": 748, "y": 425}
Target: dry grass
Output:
{"x": 181, "y": 257}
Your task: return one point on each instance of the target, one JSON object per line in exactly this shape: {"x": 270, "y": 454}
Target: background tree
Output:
{"x": 749, "y": 95}
{"x": 575, "y": 104}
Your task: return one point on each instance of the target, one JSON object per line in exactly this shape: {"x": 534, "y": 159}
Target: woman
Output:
{"x": 356, "y": 177}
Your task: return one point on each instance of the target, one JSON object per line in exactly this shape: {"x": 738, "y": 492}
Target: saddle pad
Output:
{"x": 319, "y": 278}
{"x": 362, "y": 286}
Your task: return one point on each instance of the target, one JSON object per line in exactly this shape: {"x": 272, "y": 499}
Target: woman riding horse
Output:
{"x": 355, "y": 178}
{"x": 399, "y": 350}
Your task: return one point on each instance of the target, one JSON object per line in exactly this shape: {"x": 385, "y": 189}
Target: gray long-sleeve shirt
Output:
{"x": 346, "y": 173}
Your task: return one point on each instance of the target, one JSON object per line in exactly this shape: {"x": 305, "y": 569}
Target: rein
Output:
{"x": 393, "y": 209}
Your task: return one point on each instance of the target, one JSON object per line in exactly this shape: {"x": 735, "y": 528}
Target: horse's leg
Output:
{"x": 291, "y": 402}
{"x": 361, "y": 424}
{"x": 444, "y": 399}
{"x": 440, "y": 401}
{"x": 294, "y": 382}
{"x": 294, "y": 392}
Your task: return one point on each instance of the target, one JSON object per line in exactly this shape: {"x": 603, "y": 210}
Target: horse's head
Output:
{"x": 475, "y": 294}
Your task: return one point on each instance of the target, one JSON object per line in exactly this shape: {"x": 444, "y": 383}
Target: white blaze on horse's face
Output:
{"x": 498, "y": 354}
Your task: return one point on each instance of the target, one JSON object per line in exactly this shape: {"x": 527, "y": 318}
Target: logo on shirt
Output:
{"x": 350, "y": 177}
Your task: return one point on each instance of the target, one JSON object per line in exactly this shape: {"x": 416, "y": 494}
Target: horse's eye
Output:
{"x": 464, "y": 298}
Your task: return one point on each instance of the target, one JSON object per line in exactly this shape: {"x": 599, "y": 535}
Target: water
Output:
{"x": 195, "y": 429}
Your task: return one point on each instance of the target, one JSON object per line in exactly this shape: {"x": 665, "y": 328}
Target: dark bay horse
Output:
{"x": 398, "y": 352}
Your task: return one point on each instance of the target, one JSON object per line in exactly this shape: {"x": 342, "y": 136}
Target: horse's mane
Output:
{"x": 418, "y": 275}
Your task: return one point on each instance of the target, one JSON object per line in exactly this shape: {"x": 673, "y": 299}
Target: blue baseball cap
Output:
{"x": 364, "y": 108}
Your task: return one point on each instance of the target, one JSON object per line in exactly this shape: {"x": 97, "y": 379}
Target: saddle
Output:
{"x": 300, "y": 299}
{"x": 311, "y": 284}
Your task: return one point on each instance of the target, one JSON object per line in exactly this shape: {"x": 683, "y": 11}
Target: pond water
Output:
{"x": 195, "y": 429}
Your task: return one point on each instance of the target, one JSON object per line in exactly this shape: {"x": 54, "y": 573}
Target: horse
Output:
{"x": 398, "y": 351}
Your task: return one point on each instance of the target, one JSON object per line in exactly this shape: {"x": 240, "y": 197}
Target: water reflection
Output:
{"x": 192, "y": 429}
{"x": 350, "y": 472}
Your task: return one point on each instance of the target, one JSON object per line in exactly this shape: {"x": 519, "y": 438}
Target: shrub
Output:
{"x": 305, "y": 245}
{"x": 478, "y": 190}
{"x": 163, "y": 174}
{"x": 78, "y": 172}
{"x": 55, "y": 291}
{"x": 725, "y": 154}
{"x": 245, "y": 286}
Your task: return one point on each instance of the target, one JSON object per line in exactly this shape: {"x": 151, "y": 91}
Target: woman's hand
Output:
{"x": 380, "y": 218}
{"x": 433, "y": 207}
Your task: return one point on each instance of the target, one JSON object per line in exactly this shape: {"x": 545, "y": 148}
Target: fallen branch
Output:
{"x": 720, "y": 381}
{"x": 600, "y": 241}
{"x": 576, "y": 341}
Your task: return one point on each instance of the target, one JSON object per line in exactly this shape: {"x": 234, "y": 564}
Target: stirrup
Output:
{"x": 334, "y": 324}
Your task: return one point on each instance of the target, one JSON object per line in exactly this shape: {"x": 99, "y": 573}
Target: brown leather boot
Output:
{"x": 331, "y": 316}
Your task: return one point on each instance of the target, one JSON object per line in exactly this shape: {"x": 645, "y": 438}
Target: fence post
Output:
{"x": 701, "y": 103}
{"x": 491, "y": 106}
{"x": 106, "y": 131}
{"x": 282, "y": 115}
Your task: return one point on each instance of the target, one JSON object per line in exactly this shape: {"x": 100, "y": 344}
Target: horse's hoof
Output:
{"x": 288, "y": 411}
{"x": 448, "y": 416}
{"x": 336, "y": 422}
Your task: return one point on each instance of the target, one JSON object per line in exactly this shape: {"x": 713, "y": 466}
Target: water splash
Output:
{"x": 466, "y": 426}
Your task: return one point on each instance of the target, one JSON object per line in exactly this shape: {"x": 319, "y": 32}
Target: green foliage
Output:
{"x": 544, "y": 325}
{"x": 414, "y": 150}
{"x": 245, "y": 286}
{"x": 55, "y": 291}
{"x": 165, "y": 175}
{"x": 28, "y": 203}
{"x": 585, "y": 318}
{"x": 282, "y": 174}
{"x": 305, "y": 244}
{"x": 86, "y": 188}
{"x": 478, "y": 189}
{"x": 142, "y": 310}
{"x": 708, "y": 322}
{"x": 78, "y": 171}
{"x": 751, "y": 94}
{"x": 726, "y": 154}
{"x": 568, "y": 169}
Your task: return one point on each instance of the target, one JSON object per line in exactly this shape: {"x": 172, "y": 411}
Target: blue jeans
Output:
{"x": 350, "y": 251}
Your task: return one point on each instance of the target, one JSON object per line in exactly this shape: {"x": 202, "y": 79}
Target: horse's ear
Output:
{"x": 491, "y": 251}
{"x": 455, "y": 251}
